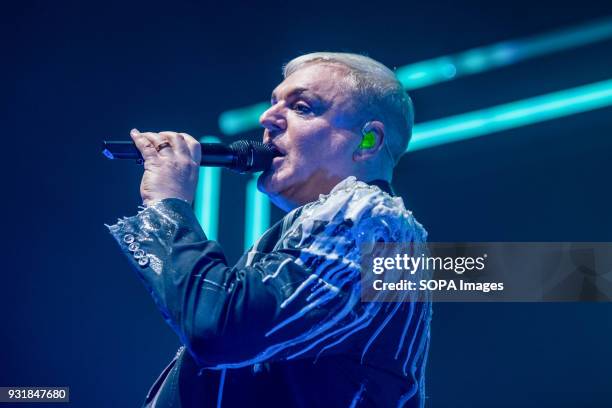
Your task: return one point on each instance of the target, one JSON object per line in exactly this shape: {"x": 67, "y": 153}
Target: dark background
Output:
{"x": 75, "y": 73}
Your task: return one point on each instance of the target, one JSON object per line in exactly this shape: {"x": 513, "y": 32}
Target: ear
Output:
{"x": 371, "y": 141}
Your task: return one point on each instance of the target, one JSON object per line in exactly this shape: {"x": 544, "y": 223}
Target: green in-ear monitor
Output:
{"x": 368, "y": 141}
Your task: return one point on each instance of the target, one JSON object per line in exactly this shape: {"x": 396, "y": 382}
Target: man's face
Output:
{"x": 313, "y": 123}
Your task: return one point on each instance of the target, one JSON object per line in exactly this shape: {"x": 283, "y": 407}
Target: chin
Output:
{"x": 264, "y": 182}
{"x": 270, "y": 184}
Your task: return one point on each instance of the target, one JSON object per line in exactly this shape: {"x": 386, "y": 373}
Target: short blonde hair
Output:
{"x": 379, "y": 93}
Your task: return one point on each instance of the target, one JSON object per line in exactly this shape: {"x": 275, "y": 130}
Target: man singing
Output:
{"x": 286, "y": 326}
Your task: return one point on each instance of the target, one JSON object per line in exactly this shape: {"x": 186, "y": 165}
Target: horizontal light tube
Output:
{"x": 511, "y": 115}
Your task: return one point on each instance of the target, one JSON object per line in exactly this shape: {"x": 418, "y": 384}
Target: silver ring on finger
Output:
{"x": 162, "y": 146}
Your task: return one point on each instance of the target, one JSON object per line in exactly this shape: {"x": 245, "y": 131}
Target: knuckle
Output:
{"x": 151, "y": 164}
{"x": 186, "y": 163}
{"x": 176, "y": 165}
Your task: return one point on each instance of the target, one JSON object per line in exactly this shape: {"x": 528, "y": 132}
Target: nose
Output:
{"x": 273, "y": 120}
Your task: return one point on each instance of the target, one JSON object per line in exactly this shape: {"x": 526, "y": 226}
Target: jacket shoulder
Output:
{"x": 360, "y": 212}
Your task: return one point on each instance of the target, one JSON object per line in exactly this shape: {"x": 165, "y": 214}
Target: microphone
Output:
{"x": 243, "y": 156}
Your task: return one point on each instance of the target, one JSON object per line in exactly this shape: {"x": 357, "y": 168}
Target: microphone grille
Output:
{"x": 253, "y": 156}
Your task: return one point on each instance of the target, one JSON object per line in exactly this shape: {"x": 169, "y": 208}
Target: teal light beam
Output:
{"x": 257, "y": 212}
{"x": 240, "y": 120}
{"x": 481, "y": 59}
{"x": 511, "y": 115}
{"x": 445, "y": 68}
{"x": 208, "y": 195}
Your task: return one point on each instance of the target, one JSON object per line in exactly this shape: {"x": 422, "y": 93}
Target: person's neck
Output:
{"x": 304, "y": 193}
{"x": 384, "y": 185}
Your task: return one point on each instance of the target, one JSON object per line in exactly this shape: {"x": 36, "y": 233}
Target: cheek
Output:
{"x": 328, "y": 151}
{"x": 314, "y": 147}
{"x": 302, "y": 153}
{"x": 307, "y": 158}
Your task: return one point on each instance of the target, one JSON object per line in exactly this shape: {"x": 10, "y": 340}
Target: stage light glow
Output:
{"x": 257, "y": 212}
{"x": 445, "y": 68}
{"x": 240, "y": 120}
{"x": 208, "y": 195}
{"x": 511, "y": 115}
{"x": 501, "y": 54}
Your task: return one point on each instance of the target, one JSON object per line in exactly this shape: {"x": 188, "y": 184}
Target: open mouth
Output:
{"x": 278, "y": 150}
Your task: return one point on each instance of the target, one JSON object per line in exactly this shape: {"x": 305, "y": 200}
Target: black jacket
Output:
{"x": 286, "y": 325}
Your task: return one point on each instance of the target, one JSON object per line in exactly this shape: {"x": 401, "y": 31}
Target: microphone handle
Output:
{"x": 217, "y": 155}
{"x": 213, "y": 154}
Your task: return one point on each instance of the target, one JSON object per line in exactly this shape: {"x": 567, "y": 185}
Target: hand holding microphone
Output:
{"x": 172, "y": 159}
{"x": 171, "y": 165}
